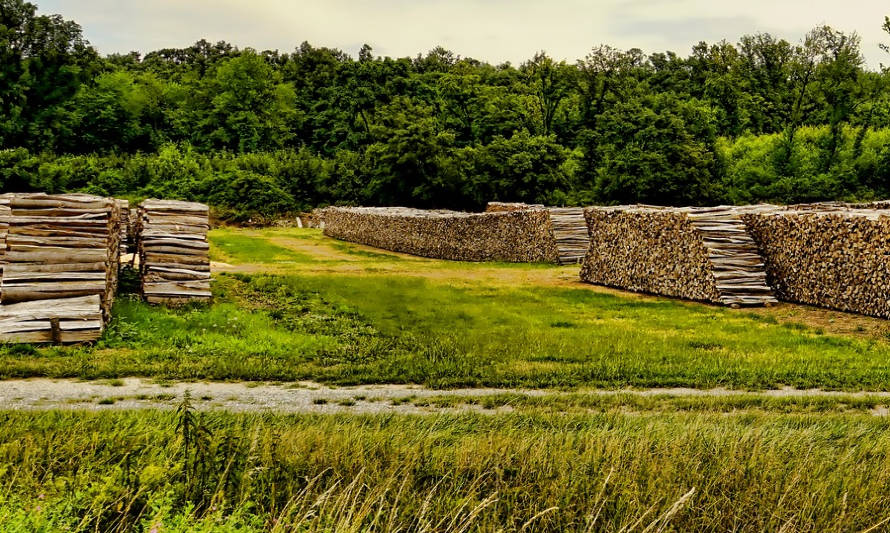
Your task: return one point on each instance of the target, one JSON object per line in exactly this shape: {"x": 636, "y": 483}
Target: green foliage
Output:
{"x": 261, "y": 135}
{"x": 43, "y": 61}
{"x": 757, "y": 169}
{"x": 247, "y": 107}
{"x": 523, "y": 168}
{"x": 411, "y": 164}
{"x": 656, "y": 150}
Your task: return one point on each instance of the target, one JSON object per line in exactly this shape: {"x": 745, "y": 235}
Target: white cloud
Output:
{"x": 492, "y": 30}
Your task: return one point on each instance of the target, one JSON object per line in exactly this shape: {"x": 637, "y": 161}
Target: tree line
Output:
{"x": 266, "y": 132}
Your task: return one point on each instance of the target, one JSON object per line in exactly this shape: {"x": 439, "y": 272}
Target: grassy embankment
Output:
{"x": 297, "y": 306}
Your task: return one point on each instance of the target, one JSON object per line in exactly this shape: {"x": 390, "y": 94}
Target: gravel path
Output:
{"x": 305, "y": 397}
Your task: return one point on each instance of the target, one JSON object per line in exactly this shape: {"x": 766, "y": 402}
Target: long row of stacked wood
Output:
{"x": 567, "y": 224}
{"x": 697, "y": 254}
{"x": 826, "y": 255}
{"x": 60, "y": 267}
{"x": 831, "y": 255}
{"x": 174, "y": 254}
{"x": 520, "y": 236}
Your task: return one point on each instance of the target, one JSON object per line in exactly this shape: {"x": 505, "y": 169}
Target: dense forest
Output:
{"x": 266, "y": 132}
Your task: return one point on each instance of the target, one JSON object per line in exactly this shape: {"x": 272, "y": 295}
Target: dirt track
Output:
{"x": 135, "y": 393}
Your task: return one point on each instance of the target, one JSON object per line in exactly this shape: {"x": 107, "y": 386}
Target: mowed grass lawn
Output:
{"x": 294, "y": 305}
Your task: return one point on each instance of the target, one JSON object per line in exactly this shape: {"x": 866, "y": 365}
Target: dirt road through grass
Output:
{"x": 309, "y": 397}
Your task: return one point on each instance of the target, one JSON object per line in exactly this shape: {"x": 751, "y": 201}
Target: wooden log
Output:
{"x": 50, "y": 255}
{"x": 571, "y": 233}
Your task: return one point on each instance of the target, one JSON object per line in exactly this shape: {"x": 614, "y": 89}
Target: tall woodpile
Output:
{"x": 571, "y": 234}
{"x": 60, "y": 268}
{"x": 737, "y": 267}
{"x": 568, "y": 224}
{"x": 697, "y": 254}
{"x": 835, "y": 257}
{"x": 174, "y": 255}
{"x": 523, "y": 236}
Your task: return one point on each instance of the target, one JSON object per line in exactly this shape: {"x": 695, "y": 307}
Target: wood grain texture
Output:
{"x": 60, "y": 266}
{"x": 61, "y": 246}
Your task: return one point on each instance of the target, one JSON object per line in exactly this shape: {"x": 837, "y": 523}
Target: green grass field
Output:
{"x": 604, "y": 472}
{"x": 292, "y": 305}
{"x": 297, "y": 306}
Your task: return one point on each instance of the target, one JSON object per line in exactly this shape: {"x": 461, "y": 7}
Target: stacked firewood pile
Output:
{"x": 832, "y": 257}
{"x": 737, "y": 267}
{"x": 697, "y": 254}
{"x": 881, "y": 204}
{"x": 60, "y": 268}
{"x": 523, "y": 236}
{"x": 570, "y": 232}
{"x": 174, "y": 254}
{"x": 568, "y": 224}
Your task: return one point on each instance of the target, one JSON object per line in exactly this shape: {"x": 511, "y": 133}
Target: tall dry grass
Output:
{"x": 133, "y": 471}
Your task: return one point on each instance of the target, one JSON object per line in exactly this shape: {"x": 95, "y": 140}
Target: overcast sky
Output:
{"x": 491, "y": 30}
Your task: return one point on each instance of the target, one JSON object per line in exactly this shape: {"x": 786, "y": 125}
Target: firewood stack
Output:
{"x": 738, "y": 268}
{"x": 174, "y": 255}
{"x": 570, "y": 231}
{"x": 523, "y": 236}
{"x": 697, "y": 254}
{"x": 832, "y": 257}
{"x": 60, "y": 272}
{"x": 880, "y": 204}
{"x": 568, "y": 224}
